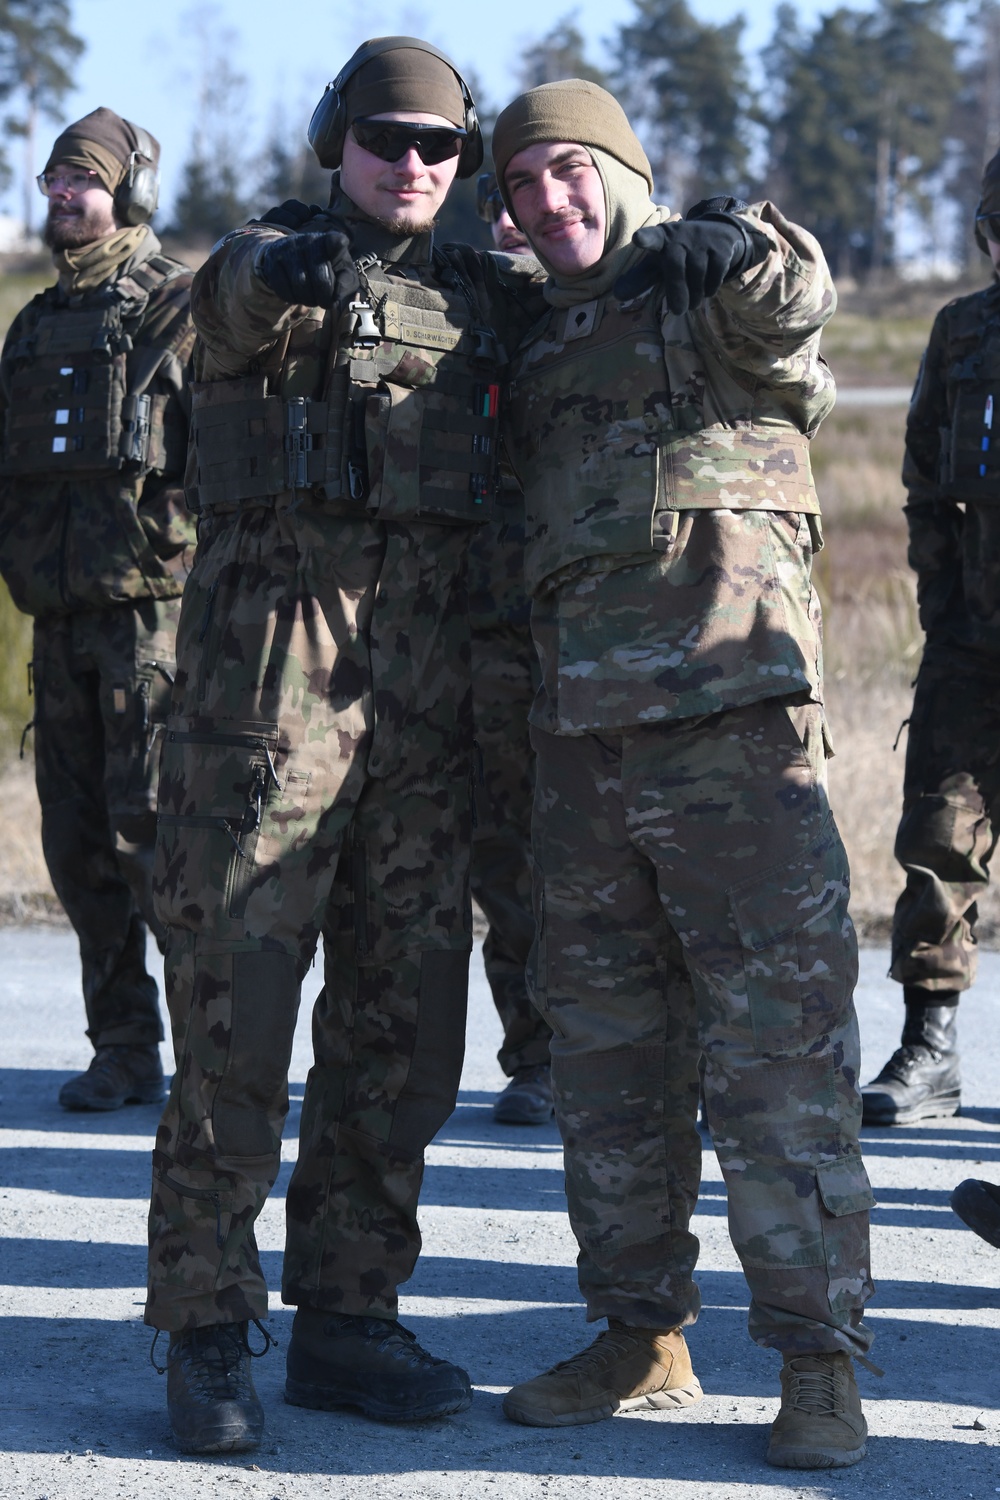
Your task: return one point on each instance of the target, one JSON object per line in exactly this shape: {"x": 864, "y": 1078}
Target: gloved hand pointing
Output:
{"x": 315, "y": 270}
{"x": 691, "y": 258}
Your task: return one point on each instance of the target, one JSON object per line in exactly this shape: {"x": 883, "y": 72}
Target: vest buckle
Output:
{"x": 486, "y": 351}
{"x": 134, "y": 445}
{"x": 365, "y": 333}
{"x": 298, "y": 442}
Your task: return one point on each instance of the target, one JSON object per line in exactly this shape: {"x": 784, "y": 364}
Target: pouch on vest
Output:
{"x": 970, "y": 448}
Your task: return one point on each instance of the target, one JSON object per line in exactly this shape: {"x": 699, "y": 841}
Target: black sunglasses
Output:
{"x": 489, "y": 203}
{"x": 391, "y": 139}
{"x": 990, "y": 225}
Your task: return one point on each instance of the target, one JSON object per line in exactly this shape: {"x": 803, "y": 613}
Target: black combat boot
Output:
{"x": 211, "y": 1400}
{"x": 977, "y": 1204}
{"x": 527, "y": 1099}
{"x": 118, "y": 1075}
{"x": 921, "y": 1080}
{"x": 335, "y": 1360}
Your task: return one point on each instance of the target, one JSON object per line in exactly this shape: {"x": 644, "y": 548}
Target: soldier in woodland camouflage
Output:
{"x": 318, "y": 765}
{"x": 504, "y": 682}
{"x": 692, "y": 887}
{"x": 951, "y": 793}
{"x": 95, "y": 543}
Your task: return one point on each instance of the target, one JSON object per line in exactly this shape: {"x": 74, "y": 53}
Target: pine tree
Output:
{"x": 37, "y": 51}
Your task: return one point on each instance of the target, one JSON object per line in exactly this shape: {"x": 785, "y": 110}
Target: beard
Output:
{"x": 71, "y": 227}
{"x": 406, "y": 226}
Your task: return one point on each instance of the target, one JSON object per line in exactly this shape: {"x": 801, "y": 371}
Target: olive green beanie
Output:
{"x": 571, "y": 110}
{"x": 101, "y": 142}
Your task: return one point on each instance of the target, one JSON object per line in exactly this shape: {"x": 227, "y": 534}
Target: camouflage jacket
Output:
{"x": 90, "y": 541}
{"x": 672, "y": 516}
{"x": 951, "y": 471}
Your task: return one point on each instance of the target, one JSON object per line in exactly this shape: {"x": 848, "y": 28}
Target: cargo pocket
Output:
{"x": 846, "y": 1196}
{"x": 799, "y": 949}
{"x": 195, "y": 1205}
{"x": 215, "y": 784}
{"x": 536, "y": 968}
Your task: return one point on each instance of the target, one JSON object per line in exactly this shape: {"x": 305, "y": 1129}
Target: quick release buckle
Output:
{"x": 298, "y": 442}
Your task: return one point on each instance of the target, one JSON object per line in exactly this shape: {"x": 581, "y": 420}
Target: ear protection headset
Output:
{"x": 139, "y": 191}
{"x": 328, "y": 126}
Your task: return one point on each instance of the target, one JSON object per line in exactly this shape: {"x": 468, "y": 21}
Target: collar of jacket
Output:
{"x": 369, "y": 237}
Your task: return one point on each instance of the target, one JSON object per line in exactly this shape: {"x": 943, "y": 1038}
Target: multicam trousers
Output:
{"x": 102, "y": 683}
{"x": 316, "y": 784}
{"x": 505, "y": 676}
{"x": 711, "y": 839}
{"x": 951, "y": 818}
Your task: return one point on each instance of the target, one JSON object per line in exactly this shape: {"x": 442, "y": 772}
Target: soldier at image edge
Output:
{"x": 691, "y": 895}
{"x": 318, "y": 768}
{"x": 95, "y": 543}
{"x": 504, "y": 683}
{"x": 951, "y": 788}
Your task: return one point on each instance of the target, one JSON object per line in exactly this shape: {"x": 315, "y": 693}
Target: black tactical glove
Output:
{"x": 691, "y": 258}
{"x": 291, "y": 214}
{"x": 314, "y": 270}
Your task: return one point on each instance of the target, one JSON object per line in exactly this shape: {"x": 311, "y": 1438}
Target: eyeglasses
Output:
{"x": 73, "y": 180}
{"x": 390, "y": 140}
{"x": 489, "y": 203}
{"x": 990, "y": 225}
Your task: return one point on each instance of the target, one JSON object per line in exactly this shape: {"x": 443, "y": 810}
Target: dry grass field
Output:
{"x": 872, "y": 637}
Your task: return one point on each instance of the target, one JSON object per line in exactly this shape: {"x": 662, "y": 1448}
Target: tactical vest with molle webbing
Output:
{"x": 406, "y": 425}
{"x": 607, "y": 429}
{"x": 79, "y": 403}
{"x": 970, "y": 445}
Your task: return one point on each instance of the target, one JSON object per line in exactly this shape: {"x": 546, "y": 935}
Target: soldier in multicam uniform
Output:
{"x": 504, "y": 682}
{"x": 951, "y": 791}
{"x": 318, "y": 764}
{"x": 95, "y": 543}
{"x": 691, "y": 883}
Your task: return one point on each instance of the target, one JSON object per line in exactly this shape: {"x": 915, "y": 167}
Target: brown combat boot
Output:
{"x": 820, "y": 1424}
{"x": 623, "y": 1368}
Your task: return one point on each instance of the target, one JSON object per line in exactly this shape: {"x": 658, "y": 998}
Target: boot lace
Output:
{"x": 813, "y": 1391}
{"x": 215, "y": 1357}
{"x": 606, "y": 1350}
{"x": 905, "y": 1060}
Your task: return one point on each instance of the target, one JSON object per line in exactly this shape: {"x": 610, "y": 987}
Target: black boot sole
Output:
{"x": 151, "y": 1093}
{"x": 335, "y": 1398}
{"x": 935, "y": 1107}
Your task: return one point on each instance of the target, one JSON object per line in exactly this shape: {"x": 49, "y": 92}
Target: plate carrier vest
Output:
{"x": 602, "y": 445}
{"x": 406, "y": 425}
{"x": 78, "y": 397}
{"x": 970, "y": 445}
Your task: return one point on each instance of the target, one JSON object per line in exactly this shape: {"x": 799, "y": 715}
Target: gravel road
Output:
{"x": 82, "y": 1411}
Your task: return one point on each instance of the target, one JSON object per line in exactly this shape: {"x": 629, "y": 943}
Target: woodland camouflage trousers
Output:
{"x": 316, "y": 785}
{"x": 102, "y": 683}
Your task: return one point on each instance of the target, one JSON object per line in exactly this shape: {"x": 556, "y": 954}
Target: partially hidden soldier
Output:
{"x": 951, "y": 788}
{"x": 691, "y": 898}
{"x": 95, "y": 543}
{"x": 504, "y": 681}
{"x": 318, "y": 765}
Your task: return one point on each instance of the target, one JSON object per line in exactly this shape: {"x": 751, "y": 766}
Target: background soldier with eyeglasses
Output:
{"x": 95, "y": 542}
{"x": 951, "y": 794}
{"x": 318, "y": 767}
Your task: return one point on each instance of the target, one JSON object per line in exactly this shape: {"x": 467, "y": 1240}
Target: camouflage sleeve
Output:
{"x": 161, "y": 507}
{"x": 764, "y": 325}
{"x": 238, "y": 319}
{"x": 934, "y": 524}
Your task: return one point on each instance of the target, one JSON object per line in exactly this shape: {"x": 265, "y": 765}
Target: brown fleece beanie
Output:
{"x": 571, "y": 110}
{"x": 404, "y": 79}
{"x": 102, "y": 142}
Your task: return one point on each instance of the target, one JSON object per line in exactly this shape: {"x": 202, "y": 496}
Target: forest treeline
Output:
{"x": 869, "y": 125}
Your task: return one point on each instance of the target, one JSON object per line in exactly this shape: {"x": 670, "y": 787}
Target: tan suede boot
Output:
{"x": 623, "y": 1368}
{"x": 820, "y": 1424}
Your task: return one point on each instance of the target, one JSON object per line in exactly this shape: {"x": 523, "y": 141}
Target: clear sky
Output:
{"x": 143, "y": 60}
